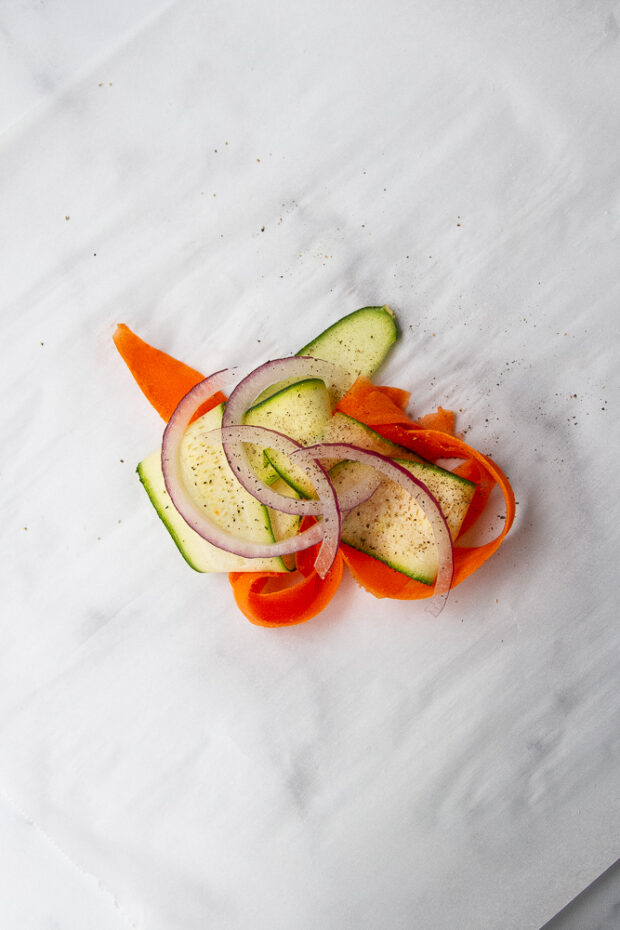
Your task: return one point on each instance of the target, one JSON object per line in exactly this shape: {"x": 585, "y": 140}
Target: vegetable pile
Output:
{"x": 305, "y": 465}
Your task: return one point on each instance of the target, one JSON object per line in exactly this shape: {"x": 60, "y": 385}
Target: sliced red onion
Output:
{"x": 235, "y": 436}
{"x": 327, "y": 532}
{"x": 292, "y": 369}
{"x": 420, "y": 493}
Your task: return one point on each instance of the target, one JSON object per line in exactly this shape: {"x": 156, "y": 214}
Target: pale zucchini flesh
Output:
{"x": 284, "y": 524}
{"x": 214, "y": 487}
{"x": 300, "y": 411}
{"x": 392, "y": 527}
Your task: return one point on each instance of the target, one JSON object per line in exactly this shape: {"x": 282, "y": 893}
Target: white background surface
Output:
{"x": 162, "y": 762}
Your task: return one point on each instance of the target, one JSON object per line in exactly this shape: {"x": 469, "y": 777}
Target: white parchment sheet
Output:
{"x": 229, "y": 179}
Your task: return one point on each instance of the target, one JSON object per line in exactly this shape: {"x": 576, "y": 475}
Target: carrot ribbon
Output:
{"x": 163, "y": 380}
{"x": 270, "y": 599}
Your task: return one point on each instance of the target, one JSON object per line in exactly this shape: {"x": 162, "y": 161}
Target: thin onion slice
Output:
{"x": 327, "y": 532}
{"x": 233, "y": 437}
{"x": 270, "y": 374}
{"x": 420, "y": 493}
{"x": 295, "y": 368}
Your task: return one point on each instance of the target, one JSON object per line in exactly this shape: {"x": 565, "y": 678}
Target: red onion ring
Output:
{"x": 327, "y": 532}
{"x": 420, "y": 493}
{"x": 292, "y": 369}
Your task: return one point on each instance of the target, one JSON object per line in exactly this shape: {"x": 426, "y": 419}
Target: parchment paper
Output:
{"x": 229, "y": 180}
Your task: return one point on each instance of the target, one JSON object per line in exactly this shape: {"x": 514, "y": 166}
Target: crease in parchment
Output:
{"x": 56, "y": 846}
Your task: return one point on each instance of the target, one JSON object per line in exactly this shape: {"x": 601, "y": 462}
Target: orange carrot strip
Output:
{"x": 375, "y": 405}
{"x": 370, "y": 404}
{"x": 285, "y": 606}
{"x": 443, "y": 421}
{"x": 381, "y": 580}
{"x": 163, "y": 380}
{"x": 209, "y": 404}
{"x": 273, "y": 599}
{"x": 401, "y": 398}
{"x": 305, "y": 558}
